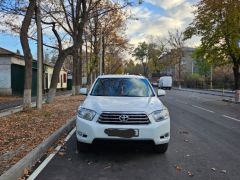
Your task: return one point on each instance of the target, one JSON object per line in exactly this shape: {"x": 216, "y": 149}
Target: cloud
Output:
{"x": 183, "y": 11}
{"x": 166, "y": 4}
{"x": 154, "y": 23}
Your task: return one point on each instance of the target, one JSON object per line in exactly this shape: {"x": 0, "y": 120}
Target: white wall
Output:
{"x": 49, "y": 70}
{"x": 5, "y": 76}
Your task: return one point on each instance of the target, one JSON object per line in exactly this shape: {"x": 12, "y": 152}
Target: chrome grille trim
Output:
{"x": 133, "y": 118}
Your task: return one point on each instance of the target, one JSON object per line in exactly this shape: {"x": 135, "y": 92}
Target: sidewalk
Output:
{"x": 6, "y": 105}
{"x": 215, "y": 92}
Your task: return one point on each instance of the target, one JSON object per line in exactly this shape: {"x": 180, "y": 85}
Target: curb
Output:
{"x": 16, "y": 109}
{"x": 32, "y": 157}
{"x": 230, "y": 101}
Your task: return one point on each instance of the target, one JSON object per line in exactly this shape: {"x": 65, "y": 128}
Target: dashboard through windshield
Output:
{"x": 127, "y": 87}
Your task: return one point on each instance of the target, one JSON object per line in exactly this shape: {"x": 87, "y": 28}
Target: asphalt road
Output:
{"x": 205, "y": 145}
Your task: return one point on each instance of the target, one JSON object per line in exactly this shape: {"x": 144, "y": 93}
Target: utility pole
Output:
{"x": 211, "y": 77}
{"x": 39, "y": 57}
{"x": 100, "y": 54}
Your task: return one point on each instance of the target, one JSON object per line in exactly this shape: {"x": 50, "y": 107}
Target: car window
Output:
{"x": 130, "y": 87}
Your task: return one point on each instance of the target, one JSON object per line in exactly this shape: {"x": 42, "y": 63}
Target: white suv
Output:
{"x": 123, "y": 107}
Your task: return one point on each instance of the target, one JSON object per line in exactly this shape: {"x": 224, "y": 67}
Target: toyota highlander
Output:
{"x": 122, "y": 107}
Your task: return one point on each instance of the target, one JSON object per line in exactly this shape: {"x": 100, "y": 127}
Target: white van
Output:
{"x": 165, "y": 82}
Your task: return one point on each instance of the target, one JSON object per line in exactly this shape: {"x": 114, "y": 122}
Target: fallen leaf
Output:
{"x": 187, "y": 155}
{"x": 190, "y": 174}
{"x": 184, "y": 132}
{"x": 21, "y": 178}
{"x": 90, "y": 162}
{"x": 25, "y": 171}
{"x": 107, "y": 167}
{"x": 213, "y": 169}
{"x": 178, "y": 167}
{"x": 185, "y": 140}
{"x": 61, "y": 153}
{"x": 224, "y": 171}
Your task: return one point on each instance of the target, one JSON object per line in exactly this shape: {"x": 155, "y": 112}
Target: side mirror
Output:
{"x": 161, "y": 92}
{"x": 83, "y": 91}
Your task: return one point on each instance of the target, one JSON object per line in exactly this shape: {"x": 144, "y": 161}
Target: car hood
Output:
{"x": 106, "y": 103}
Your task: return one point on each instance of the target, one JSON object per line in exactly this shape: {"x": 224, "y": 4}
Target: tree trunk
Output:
{"x": 75, "y": 73}
{"x": 236, "y": 76}
{"x": 179, "y": 74}
{"x": 56, "y": 72}
{"x": 144, "y": 68}
{"x": 236, "y": 81}
{"x": 86, "y": 61}
{"x": 103, "y": 54}
{"x": 27, "y": 55}
{"x": 80, "y": 59}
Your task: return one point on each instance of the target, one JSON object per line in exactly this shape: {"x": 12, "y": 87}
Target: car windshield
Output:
{"x": 129, "y": 87}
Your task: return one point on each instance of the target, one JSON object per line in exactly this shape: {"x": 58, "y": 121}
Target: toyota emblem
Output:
{"x": 123, "y": 118}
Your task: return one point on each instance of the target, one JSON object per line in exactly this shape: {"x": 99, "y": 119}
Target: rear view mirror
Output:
{"x": 83, "y": 91}
{"x": 161, "y": 92}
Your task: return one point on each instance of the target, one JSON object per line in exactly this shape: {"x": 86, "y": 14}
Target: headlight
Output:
{"x": 86, "y": 114}
{"x": 160, "y": 115}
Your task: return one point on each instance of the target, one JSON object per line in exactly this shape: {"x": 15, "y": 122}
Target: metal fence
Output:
{"x": 196, "y": 84}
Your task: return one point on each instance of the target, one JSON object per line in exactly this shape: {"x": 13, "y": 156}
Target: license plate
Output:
{"x": 123, "y": 133}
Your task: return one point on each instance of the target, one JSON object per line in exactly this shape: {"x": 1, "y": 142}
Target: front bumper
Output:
{"x": 88, "y": 131}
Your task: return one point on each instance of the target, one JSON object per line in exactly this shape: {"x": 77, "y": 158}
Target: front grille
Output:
{"x": 123, "y": 118}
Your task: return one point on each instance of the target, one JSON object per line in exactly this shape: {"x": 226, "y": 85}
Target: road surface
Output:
{"x": 205, "y": 145}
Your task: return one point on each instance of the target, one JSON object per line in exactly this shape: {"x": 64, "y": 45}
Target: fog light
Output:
{"x": 166, "y": 135}
{"x": 80, "y": 133}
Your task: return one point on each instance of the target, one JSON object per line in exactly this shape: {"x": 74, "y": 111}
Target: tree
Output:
{"x": 176, "y": 42}
{"x": 141, "y": 54}
{"x": 27, "y": 54}
{"x": 70, "y": 17}
{"x": 203, "y": 62}
{"x": 11, "y": 10}
{"x": 217, "y": 22}
{"x": 155, "y": 50}
{"x": 132, "y": 68}
{"x": 106, "y": 25}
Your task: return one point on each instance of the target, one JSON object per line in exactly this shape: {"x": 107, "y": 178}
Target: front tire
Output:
{"x": 82, "y": 147}
{"x": 161, "y": 148}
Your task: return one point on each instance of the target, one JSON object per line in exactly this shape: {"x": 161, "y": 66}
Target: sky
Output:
{"x": 155, "y": 18}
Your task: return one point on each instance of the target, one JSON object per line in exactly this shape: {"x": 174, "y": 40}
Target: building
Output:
{"x": 171, "y": 67}
{"x": 12, "y": 67}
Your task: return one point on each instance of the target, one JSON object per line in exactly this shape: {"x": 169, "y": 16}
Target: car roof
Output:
{"x": 121, "y": 76}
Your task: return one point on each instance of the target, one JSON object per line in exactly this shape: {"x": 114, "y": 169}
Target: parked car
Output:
{"x": 154, "y": 84}
{"x": 165, "y": 82}
{"x": 123, "y": 107}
